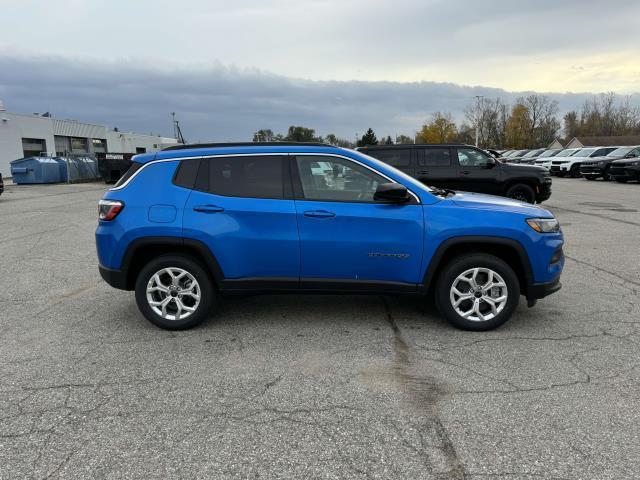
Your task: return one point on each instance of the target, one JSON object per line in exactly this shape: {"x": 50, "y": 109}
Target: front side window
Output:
{"x": 469, "y": 157}
{"x": 336, "y": 179}
{"x": 251, "y": 177}
{"x": 394, "y": 156}
{"x": 434, "y": 157}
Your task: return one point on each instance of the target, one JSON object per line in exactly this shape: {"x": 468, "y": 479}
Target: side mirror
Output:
{"x": 392, "y": 193}
{"x": 490, "y": 163}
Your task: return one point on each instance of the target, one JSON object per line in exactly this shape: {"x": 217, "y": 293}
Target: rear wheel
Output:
{"x": 477, "y": 292}
{"x": 521, "y": 192}
{"x": 173, "y": 292}
{"x": 605, "y": 176}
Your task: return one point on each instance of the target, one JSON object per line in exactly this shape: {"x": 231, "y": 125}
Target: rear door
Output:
{"x": 435, "y": 166}
{"x": 399, "y": 158}
{"x": 242, "y": 209}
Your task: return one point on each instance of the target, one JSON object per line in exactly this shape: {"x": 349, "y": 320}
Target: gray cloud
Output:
{"x": 220, "y": 103}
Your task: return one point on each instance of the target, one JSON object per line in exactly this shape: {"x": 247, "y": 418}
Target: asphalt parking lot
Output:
{"x": 315, "y": 387}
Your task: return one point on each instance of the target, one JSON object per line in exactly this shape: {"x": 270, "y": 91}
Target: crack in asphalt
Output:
{"x": 425, "y": 393}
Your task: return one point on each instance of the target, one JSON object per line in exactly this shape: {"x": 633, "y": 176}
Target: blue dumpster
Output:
{"x": 36, "y": 170}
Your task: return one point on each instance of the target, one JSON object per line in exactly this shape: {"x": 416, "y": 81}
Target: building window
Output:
{"x": 33, "y": 146}
{"x": 63, "y": 145}
{"x": 141, "y": 150}
{"x": 99, "y": 145}
{"x": 79, "y": 145}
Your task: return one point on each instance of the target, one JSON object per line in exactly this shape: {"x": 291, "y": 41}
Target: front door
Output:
{"x": 240, "y": 210}
{"x": 477, "y": 171}
{"x": 346, "y": 236}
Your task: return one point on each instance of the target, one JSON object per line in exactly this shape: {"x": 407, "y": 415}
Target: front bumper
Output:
{"x": 625, "y": 173}
{"x": 591, "y": 171}
{"x": 544, "y": 191}
{"x": 540, "y": 290}
{"x": 115, "y": 278}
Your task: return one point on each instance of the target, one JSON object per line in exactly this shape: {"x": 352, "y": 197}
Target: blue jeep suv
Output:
{"x": 190, "y": 223}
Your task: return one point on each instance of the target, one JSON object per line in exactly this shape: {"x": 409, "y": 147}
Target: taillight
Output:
{"x": 109, "y": 209}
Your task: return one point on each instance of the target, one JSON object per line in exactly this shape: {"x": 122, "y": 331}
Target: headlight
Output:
{"x": 544, "y": 225}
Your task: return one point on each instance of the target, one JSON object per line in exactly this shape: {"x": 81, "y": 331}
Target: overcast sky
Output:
{"x": 229, "y": 68}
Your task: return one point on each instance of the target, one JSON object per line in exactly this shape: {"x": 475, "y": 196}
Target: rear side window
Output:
{"x": 434, "y": 157}
{"x": 253, "y": 176}
{"x": 187, "y": 173}
{"x": 394, "y": 157}
{"x": 129, "y": 173}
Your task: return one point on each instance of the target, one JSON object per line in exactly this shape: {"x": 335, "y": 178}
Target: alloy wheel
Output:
{"x": 478, "y": 294}
{"x": 173, "y": 293}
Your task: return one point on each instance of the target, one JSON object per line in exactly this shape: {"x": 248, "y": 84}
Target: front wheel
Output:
{"x": 521, "y": 192}
{"x": 605, "y": 176}
{"x": 173, "y": 292}
{"x": 477, "y": 292}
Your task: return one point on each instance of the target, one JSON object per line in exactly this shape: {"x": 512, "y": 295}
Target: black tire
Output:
{"x": 561, "y": 174}
{"x": 522, "y": 192}
{"x": 207, "y": 292}
{"x": 574, "y": 172}
{"x": 621, "y": 180}
{"x": 458, "y": 266}
{"x": 605, "y": 175}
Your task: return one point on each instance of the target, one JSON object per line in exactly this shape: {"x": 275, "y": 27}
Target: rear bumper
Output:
{"x": 115, "y": 278}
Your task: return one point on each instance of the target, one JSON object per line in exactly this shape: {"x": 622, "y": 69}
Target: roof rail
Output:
{"x": 246, "y": 144}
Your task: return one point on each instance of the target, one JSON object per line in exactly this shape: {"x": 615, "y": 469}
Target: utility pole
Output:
{"x": 478, "y": 98}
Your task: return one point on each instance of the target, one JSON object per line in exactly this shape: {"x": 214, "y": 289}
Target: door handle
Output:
{"x": 465, "y": 172}
{"x": 208, "y": 209}
{"x": 319, "y": 214}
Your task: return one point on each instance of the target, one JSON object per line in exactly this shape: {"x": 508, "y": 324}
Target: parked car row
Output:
{"x": 609, "y": 163}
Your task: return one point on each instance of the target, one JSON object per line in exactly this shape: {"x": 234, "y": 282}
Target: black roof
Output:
{"x": 245, "y": 144}
{"x": 405, "y": 145}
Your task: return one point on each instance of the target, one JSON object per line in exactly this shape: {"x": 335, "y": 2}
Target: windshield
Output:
{"x": 585, "y": 152}
{"x": 548, "y": 153}
{"x": 620, "y": 152}
{"x": 517, "y": 153}
{"x": 566, "y": 153}
{"x": 532, "y": 153}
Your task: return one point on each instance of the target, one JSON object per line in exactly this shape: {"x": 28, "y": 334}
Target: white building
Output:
{"x": 26, "y": 135}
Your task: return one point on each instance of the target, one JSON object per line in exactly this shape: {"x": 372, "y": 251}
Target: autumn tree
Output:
{"x": 441, "y": 129}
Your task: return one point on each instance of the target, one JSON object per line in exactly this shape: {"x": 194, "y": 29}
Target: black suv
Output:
{"x": 463, "y": 167}
{"x": 600, "y": 166}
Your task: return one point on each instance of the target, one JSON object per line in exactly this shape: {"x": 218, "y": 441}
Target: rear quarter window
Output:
{"x": 187, "y": 173}
{"x": 128, "y": 174}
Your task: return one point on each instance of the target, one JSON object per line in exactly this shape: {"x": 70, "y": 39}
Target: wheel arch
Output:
{"x": 530, "y": 182}
{"x": 142, "y": 250}
{"x": 507, "y": 249}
